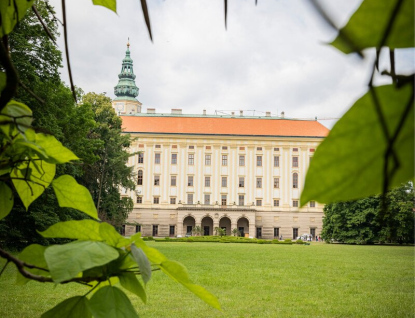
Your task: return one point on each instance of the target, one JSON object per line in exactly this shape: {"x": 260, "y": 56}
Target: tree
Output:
{"x": 106, "y": 176}
{"x": 363, "y": 221}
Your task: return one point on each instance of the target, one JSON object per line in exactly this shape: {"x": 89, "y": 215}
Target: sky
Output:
{"x": 272, "y": 57}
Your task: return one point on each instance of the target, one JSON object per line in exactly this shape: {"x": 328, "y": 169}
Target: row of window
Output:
{"x": 223, "y": 148}
{"x": 224, "y": 200}
{"x": 208, "y": 160}
{"x": 224, "y": 183}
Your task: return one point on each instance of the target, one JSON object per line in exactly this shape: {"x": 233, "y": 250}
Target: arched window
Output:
{"x": 140, "y": 177}
{"x": 295, "y": 180}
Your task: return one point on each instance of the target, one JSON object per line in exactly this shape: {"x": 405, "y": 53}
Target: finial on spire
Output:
{"x": 128, "y": 43}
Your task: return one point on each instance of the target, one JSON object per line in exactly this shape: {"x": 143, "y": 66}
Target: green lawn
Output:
{"x": 253, "y": 280}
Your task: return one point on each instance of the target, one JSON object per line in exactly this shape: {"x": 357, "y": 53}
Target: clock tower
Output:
{"x": 126, "y": 90}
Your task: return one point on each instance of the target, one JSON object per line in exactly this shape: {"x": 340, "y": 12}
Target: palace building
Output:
{"x": 232, "y": 171}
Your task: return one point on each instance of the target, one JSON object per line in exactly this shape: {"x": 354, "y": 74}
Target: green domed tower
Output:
{"x": 126, "y": 90}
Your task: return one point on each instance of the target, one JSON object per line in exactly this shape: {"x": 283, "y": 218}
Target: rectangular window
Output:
{"x": 190, "y": 198}
{"x": 241, "y": 201}
{"x": 191, "y": 147}
{"x": 224, "y": 148}
{"x": 259, "y": 182}
{"x": 207, "y": 160}
{"x": 276, "y": 202}
{"x": 295, "y": 233}
{"x": 172, "y": 230}
{"x": 224, "y": 160}
{"x": 156, "y": 180}
{"x": 241, "y": 148}
{"x": 259, "y": 148}
{"x": 140, "y": 177}
{"x": 158, "y": 146}
{"x": 259, "y": 161}
{"x": 174, "y": 146}
{"x": 223, "y": 199}
{"x": 172, "y": 200}
{"x": 174, "y": 158}
{"x": 208, "y": 147}
{"x": 312, "y": 150}
{"x": 241, "y": 182}
{"x": 312, "y": 204}
{"x": 295, "y": 162}
{"x": 138, "y": 228}
{"x": 139, "y": 200}
{"x": 276, "y": 149}
{"x": 276, "y": 161}
{"x": 258, "y": 202}
{"x": 242, "y": 160}
{"x": 190, "y": 181}
{"x": 173, "y": 180}
{"x": 156, "y": 200}
{"x": 295, "y": 203}
{"x": 295, "y": 149}
{"x": 157, "y": 158}
{"x": 207, "y": 182}
{"x": 276, "y": 232}
{"x": 276, "y": 183}
{"x": 141, "y": 157}
{"x": 207, "y": 199}
{"x": 295, "y": 180}
{"x": 155, "y": 230}
{"x": 224, "y": 182}
{"x": 141, "y": 146}
{"x": 191, "y": 159}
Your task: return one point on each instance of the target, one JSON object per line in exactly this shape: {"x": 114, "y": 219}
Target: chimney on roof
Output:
{"x": 282, "y": 114}
{"x": 233, "y": 114}
{"x": 176, "y": 111}
{"x": 204, "y": 112}
{"x": 151, "y": 110}
{"x": 268, "y": 114}
{"x": 241, "y": 113}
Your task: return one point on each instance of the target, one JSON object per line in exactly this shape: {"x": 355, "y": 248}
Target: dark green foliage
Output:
{"x": 361, "y": 221}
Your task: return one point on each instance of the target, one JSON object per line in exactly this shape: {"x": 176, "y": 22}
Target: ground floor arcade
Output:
{"x": 245, "y": 222}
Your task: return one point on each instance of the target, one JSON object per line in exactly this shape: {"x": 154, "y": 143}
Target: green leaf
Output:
{"x": 179, "y": 273}
{"x": 74, "y": 307}
{"x": 130, "y": 282}
{"x": 33, "y": 178}
{"x": 34, "y": 255}
{"x": 10, "y": 16}
{"x": 55, "y": 151}
{"x": 367, "y": 25}
{"x": 78, "y": 230}
{"x": 142, "y": 261}
{"x": 348, "y": 164}
{"x": 6, "y": 200}
{"x": 111, "y": 302}
{"x": 3, "y": 79}
{"x": 110, "y": 236}
{"x": 68, "y": 260}
{"x": 70, "y": 194}
{"x": 110, "y": 4}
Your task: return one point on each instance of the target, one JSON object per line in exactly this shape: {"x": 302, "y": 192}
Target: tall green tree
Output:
{"x": 365, "y": 222}
{"x": 110, "y": 173}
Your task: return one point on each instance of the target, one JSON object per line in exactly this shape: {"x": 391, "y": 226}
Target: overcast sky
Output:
{"x": 272, "y": 57}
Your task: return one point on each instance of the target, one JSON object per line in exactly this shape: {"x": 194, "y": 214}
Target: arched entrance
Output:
{"x": 225, "y": 223}
{"x": 207, "y": 225}
{"x": 243, "y": 226}
{"x": 188, "y": 225}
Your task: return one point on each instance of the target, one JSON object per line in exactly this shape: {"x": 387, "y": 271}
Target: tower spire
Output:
{"x": 126, "y": 88}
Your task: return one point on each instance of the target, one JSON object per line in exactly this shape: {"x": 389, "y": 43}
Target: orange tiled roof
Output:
{"x": 223, "y": 126}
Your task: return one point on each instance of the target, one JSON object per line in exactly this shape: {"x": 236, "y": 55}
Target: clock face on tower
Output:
{"x": 120, "y": 106}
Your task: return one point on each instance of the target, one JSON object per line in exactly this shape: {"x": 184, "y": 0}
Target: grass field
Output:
{"x": 251, "y": 280}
